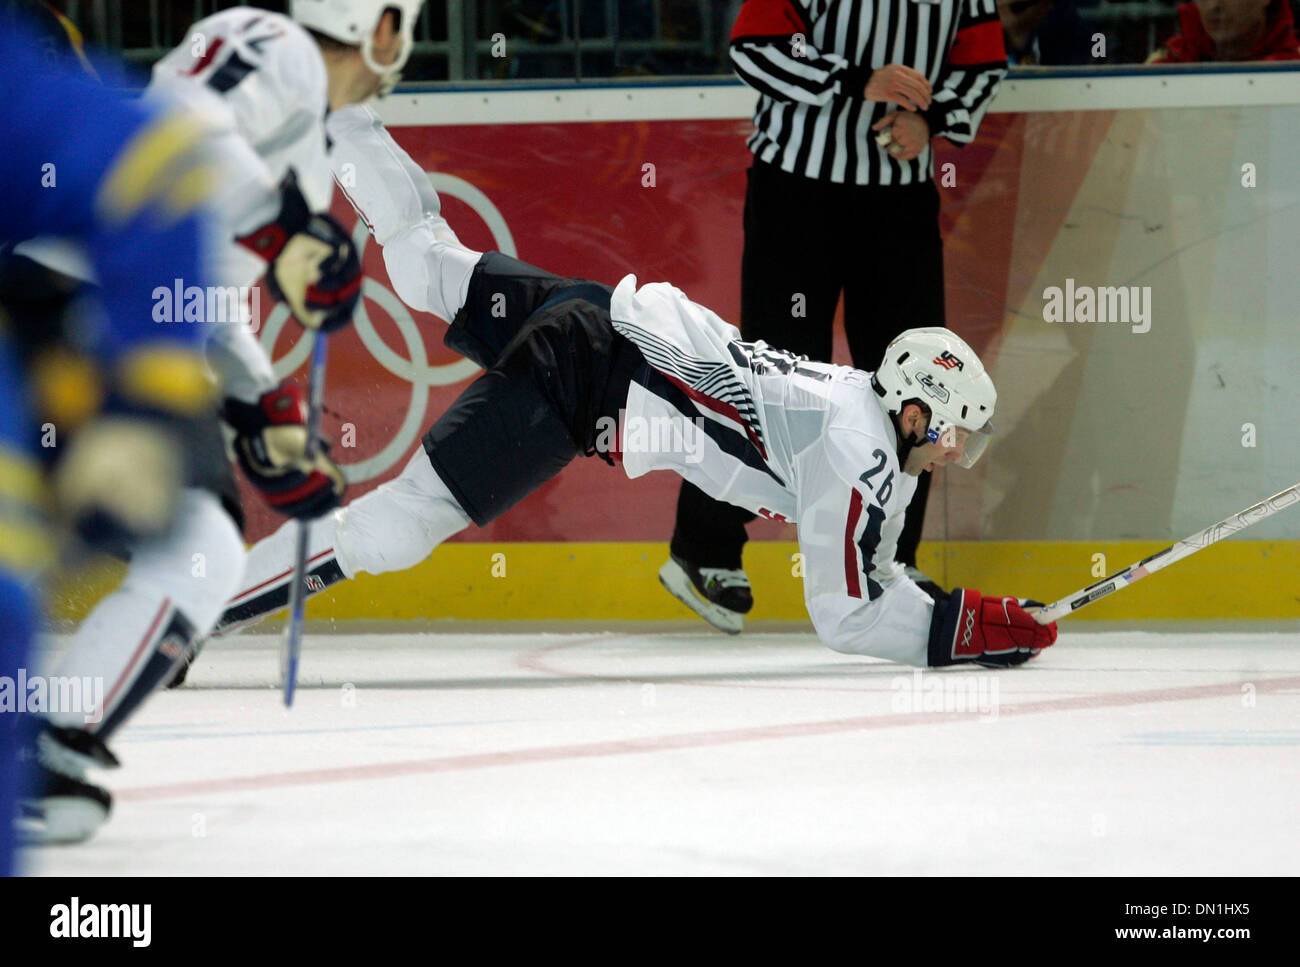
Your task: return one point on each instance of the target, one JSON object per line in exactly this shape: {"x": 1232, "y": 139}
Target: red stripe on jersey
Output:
{"x": 206, "y": 59}
{"x": 767, "y": 18}
{"x": 851, "y": 569}
{"x": 979, "y": 43}
{"x": 719, "y": 407}
{"x": 355, "y": 207}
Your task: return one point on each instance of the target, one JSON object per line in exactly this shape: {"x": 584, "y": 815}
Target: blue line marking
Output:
{"x": 1225, "y": 737}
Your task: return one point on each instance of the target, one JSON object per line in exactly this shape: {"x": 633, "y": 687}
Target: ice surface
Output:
{"x": 459, "y": 753}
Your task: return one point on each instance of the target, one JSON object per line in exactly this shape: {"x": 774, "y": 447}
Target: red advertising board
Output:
{"x": 660, "y": 199}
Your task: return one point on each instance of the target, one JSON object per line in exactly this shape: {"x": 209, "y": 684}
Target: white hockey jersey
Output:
{"x": 787, "y": 439}
{"x": 259, "y": 81}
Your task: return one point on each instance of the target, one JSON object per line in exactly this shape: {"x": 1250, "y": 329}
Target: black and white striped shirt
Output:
{"x": 811, "y": 59}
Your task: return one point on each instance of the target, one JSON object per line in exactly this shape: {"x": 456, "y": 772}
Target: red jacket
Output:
{"x": 1192, "y": 43}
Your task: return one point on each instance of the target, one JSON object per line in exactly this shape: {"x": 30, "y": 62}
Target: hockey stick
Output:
{"x": 298, "y": 588}
{"x": 1175, "y": 552}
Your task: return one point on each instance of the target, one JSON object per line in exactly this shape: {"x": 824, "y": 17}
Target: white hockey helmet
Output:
{"x": 353, "y": 22}
{"x": 937, "y": 367}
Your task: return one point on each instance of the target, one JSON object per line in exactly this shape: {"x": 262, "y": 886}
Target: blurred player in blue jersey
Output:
{"x": 128, "y": 183}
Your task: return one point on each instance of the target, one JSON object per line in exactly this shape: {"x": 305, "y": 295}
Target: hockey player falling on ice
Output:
{"x": 265, "y": 84}
{"x": 834, "y": 449}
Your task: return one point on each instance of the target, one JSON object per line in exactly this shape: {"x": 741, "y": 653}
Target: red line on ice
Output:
{"x": 685, "y": 740}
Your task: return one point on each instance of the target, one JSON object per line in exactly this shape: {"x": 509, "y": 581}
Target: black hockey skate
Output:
{"x": 62, "y": 807}
{"x": 720, "y": 596}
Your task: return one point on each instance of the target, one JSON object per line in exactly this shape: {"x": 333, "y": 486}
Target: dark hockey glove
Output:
{"x": 271, "y": 446}
{"x": 993, "y": 632}
{"x": 313, "y": 266}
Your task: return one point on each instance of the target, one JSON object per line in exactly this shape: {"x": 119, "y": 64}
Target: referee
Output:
{"x": 840, "y": 198}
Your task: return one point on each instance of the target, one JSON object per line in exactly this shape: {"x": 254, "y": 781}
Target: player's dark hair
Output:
{"x": 916, "y": 401}
{"x": 906, "y": 443}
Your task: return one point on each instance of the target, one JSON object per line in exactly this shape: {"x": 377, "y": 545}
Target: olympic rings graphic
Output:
{"x": 416, "y": 370}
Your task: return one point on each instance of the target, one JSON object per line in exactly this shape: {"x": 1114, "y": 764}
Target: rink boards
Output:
{"x": 1112, "y": 441}
{"x": 614, "y": 581}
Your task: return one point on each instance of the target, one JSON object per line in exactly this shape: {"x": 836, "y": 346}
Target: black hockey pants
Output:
{"x": 554, "y": 365}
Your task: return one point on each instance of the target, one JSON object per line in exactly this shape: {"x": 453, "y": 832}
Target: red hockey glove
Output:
{"x": 313, "y": 264}
{"x": 271, "y": 446}
{"x": 994, "y": 632}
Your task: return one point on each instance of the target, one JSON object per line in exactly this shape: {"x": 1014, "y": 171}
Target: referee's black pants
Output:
{"x": 805, "y": 242}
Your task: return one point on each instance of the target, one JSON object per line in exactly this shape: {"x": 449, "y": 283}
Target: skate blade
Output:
{"x": 59, "y": 821}
{"x": 678, "y": 583}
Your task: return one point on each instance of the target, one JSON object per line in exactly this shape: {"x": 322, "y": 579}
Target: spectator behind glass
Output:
{"x": 1044, "y": 32}
{"x": 1231, "y": 30}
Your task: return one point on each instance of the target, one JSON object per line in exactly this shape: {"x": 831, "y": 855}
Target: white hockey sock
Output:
{"x": 264, "y": 588}
{"x": 174, "y": 590}
{"x": 398, "y": 525}
{"x": 393, "y": 527}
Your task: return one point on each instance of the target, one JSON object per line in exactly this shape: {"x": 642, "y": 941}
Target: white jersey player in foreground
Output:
{"x": 264, "y": 83}
{"x": 834, "y": 449}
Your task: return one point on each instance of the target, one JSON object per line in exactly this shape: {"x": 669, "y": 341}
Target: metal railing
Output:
{"x": 683, "y": 36}
{"x": 460, "y": 52}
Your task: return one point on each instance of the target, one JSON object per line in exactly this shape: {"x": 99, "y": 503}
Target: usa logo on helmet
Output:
{"x": 948, "y": 361}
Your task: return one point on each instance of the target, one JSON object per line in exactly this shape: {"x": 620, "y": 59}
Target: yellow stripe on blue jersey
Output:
{"x": 21, "y": 480}
{"x": 66, "y": 387}
{"x": 24, "y": 538}
{"x": 147, "y": 171}
{"x": 169, "y": 377}
{"x": 188, "y": 190}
